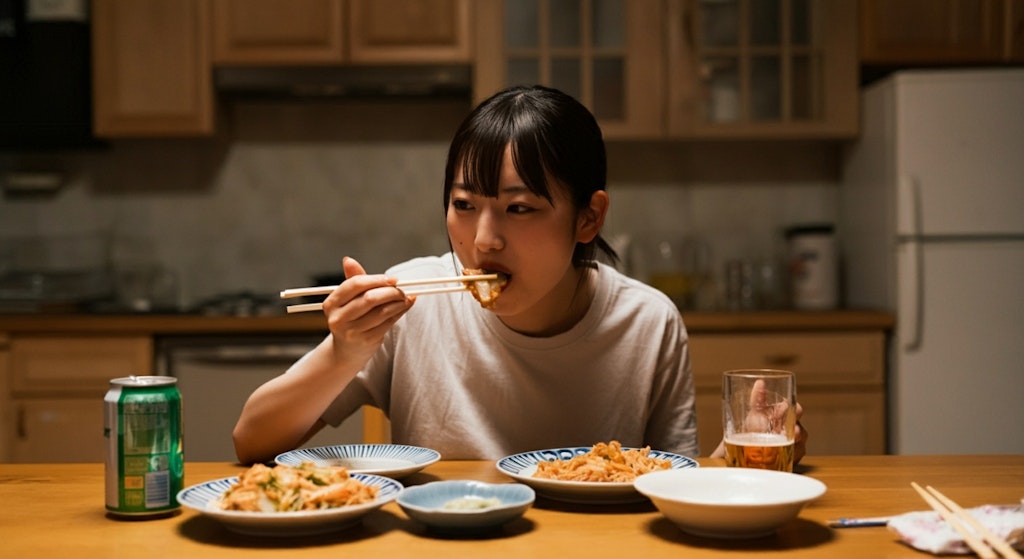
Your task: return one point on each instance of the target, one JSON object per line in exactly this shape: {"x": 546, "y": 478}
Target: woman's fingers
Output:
{"x": 364, "y": 306}
{"x": 351, "y": 267}
{"x": 758, "y": 396}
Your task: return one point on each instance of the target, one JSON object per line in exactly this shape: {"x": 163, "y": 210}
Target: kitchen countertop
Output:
{"x": 696, "y": 322}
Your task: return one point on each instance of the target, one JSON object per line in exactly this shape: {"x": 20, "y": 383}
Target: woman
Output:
{"x": 572, "y": 352}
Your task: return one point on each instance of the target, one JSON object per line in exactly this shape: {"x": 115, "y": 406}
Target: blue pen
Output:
{"x": 858, "y": 522}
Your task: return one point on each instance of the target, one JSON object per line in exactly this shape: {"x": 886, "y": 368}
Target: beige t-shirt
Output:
{"x": 452, "y": 377}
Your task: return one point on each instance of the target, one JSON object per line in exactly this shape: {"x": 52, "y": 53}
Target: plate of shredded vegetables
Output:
{"x": 601, "y": 474}
{"x": 290, "y": 500}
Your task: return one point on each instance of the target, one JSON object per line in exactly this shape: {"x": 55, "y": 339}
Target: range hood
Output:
{"x": 45, "y": 76}
{"x": 344, "y": 81}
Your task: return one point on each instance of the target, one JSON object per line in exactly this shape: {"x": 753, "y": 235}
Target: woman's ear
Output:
{"x": 591, "y": 218}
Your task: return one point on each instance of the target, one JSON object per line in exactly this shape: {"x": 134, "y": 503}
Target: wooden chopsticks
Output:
{"x": 963, "y": 523}
{"x": 326, "y": 289}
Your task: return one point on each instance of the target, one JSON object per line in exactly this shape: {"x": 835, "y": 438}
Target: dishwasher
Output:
{"x": 216, "y": 375}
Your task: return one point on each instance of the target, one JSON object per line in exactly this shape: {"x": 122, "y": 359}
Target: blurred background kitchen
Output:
{"x": 277, "y": 180}
{"x": 168, "y": 160}
{"x": 265, "y": 214}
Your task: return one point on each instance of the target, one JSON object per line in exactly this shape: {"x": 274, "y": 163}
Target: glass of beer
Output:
{"x": 759, "y": 418}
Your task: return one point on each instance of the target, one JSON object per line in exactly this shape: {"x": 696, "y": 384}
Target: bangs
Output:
{"x": 480, "y": 152}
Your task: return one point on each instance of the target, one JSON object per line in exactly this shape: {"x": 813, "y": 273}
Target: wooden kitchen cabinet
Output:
{"x": 278, "y": 32}
{"x": 840, "y": 383}
{"x": 1015, "y": 30}
{"x": 939, "y": 32}
{"x": 606, "y": 53}
{"x": 410, "y": 31}
{"x": 762, "y": 69}
{"x": 267, "y": 32}
{"x": 55, "y": 386}
{"x": 151, "y": 68}
{"x": 682, "y": 69}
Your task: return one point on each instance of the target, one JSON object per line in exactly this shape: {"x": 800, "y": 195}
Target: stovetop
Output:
{"x": 242, "y": 303}
{"x": 233, "y": 304}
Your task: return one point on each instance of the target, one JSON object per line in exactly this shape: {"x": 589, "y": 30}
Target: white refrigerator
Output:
{"x": 932, "y": 228}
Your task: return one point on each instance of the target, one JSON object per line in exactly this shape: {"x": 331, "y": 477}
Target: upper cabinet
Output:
{"x": 266, "y": 32}
{"x": 276, "y": 32}
{"x": 682, "y": 69}
{"x": 648, "y": 69}
{"x": 410, "y": 31}
{"x": 1015, "y": 24}
{"x": 762, "y": 68}
{"x": 606, "y": 53}
{"x": 151, "y": 68}
{"x": 153, "y": 59}
{"x": 933, "y": 32}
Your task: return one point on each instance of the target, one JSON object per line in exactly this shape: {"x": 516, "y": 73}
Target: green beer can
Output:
{"x": 145, "y": 463}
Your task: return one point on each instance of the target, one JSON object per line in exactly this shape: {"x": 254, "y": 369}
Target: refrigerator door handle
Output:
{"x": 912, "y": 195}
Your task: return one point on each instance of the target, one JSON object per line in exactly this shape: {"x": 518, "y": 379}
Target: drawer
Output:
{"x": 64, "y": 365}
{"x": 823, "y": 359}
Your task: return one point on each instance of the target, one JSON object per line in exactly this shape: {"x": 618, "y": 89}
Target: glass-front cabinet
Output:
{"x": 685, "y": 69}
{"x": 606, "y": 53}
{"x": 762, "y": 68}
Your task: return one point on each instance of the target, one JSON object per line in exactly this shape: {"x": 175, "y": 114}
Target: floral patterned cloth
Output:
{"x": 927, "y": 530}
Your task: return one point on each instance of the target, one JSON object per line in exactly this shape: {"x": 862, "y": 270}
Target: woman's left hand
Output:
{"x": 799, "y": 445}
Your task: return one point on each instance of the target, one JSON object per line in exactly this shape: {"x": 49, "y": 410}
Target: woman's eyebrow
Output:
{"x": 511, "y": 189}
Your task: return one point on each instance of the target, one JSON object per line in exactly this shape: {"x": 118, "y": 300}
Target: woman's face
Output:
{"x": 525, "y": 236}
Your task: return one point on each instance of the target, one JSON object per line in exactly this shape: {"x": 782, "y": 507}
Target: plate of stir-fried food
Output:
{"x": 290, "y": 500}
{"x": 600, "y": 474}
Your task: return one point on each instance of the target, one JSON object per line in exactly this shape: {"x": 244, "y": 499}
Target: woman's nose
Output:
{"x": 489, "y": 237}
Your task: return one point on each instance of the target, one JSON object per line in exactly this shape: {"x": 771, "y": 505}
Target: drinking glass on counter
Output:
{"x": 759, "y": 418}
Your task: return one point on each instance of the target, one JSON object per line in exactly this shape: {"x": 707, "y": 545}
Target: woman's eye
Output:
{"x": 519, "y": 209}
{"x": 462, "y": 205}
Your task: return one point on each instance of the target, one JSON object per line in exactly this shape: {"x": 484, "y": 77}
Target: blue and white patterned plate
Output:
{"x": 391, "y": 460}
{"x": 203, "y": 499}
{"x": 522, "y": 466}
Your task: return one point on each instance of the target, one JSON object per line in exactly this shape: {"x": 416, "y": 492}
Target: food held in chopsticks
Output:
{"x": 295, "y": 488}
{"x": 485, "y": 291}
{"x": 603, "y": 462}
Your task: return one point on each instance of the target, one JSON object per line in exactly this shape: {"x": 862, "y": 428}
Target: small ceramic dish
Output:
{"x": 464, "y": 504}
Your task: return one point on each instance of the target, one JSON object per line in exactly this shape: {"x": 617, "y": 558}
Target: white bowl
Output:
{"x": 734, "y": 503}
{"x": 426, "y": 503}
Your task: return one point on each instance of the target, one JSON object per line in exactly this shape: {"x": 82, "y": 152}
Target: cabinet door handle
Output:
{"x": 21, "y": 429}
{"x": 781, "y": 359}
{"x": 688, "y": 26}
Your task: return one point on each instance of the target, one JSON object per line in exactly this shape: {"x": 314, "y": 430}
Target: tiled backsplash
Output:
{"x": 262, "y": 215}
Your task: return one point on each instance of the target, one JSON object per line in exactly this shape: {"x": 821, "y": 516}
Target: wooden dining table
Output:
{"x": 57, "y": 510}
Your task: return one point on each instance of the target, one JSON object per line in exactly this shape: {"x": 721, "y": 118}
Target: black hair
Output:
{"x": 547, "y": 130}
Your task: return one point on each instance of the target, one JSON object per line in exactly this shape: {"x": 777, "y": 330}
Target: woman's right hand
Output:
{"x": 283, "y": 412}
{"x": 361, "y": 311}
